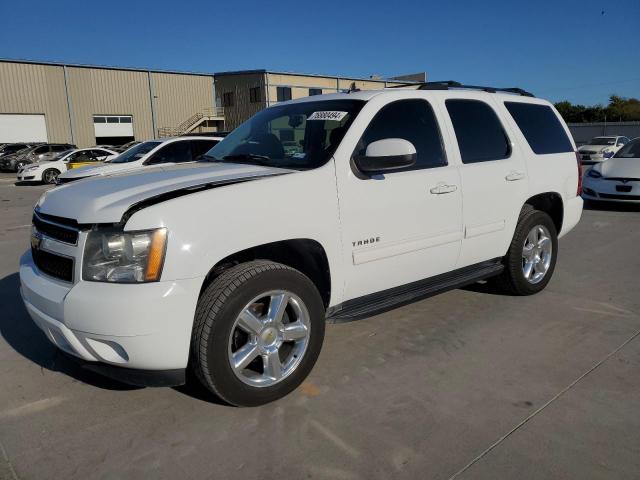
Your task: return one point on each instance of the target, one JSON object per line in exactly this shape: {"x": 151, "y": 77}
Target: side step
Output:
{"x": 385, "y": 300}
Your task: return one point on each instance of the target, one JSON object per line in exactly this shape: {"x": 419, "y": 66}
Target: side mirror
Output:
{"x": 386, "y": 156}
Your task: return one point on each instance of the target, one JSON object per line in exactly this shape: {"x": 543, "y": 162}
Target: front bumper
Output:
{"x": 125, "y": 327}
{"x": 606, "y": 190}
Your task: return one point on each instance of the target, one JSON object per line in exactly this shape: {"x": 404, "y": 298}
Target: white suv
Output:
{"x": 232, "y": 267}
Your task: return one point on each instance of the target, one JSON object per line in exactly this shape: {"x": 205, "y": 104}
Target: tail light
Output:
{"x": 579, "y": 162}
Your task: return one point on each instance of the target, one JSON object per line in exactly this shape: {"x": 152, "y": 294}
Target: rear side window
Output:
{"x": 541, "y": 127}
{"x": 412, "y": 120}
{"x": 175, "y": 152}
{"x": 480, "y": 134}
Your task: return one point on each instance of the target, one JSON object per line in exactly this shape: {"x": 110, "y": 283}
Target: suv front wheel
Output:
{"x": 531, "y": 258}
{"x": 258, "y": 331}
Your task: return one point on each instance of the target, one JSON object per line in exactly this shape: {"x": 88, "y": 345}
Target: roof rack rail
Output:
{"x": 449, "y": 84}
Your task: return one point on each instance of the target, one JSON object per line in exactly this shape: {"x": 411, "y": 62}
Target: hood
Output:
{"x": 594, "y": 148}
{"x": 101, "y": 169}
{"x": 620, "y": 167}
{"x": 105, "y": 199}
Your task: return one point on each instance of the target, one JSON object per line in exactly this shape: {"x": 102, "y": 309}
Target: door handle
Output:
{"x": 514, "y": 176}
{"x": 442, "y": 188}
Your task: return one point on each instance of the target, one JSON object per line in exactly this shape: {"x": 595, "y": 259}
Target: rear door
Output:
{"x": 493, "y": 175}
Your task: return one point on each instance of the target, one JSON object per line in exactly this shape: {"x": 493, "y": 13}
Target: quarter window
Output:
{"x": 284, "y": 94}
{"x": 540, "y": 126}
{"x": 481, "y": 137}
{"x": 412, "y": 120}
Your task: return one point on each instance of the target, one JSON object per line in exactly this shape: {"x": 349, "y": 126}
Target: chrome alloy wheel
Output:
{"x": 269, "y": 338}
{"x": 537, "y": 252}
{"x": 50, "y": 176}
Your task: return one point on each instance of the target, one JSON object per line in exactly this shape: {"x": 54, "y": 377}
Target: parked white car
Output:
{"x": 48, "y": 170}
{"x": 152, "y": 153}
{"x": 601, "y": 148}
{"x": 232, "y": 266}
{"x": 617, "y": 179}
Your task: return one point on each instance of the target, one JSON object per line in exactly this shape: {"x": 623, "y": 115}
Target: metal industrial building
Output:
{"x": 91, "y": 105}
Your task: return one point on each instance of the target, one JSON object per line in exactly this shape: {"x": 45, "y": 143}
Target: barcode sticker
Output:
{"x": 336, "y": 116}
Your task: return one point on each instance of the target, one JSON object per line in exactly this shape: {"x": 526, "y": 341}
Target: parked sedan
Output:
{"x": 152, "y": 153}
{"x": 47, "y": 171}
{"x": 32, "y": 154}
{"x": 11, "y": 148}
{"x": 617, "y": 179}
{"x": 601, "y": 148}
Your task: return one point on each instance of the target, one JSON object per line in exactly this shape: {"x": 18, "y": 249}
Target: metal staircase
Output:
{"x": 206, "y": 113}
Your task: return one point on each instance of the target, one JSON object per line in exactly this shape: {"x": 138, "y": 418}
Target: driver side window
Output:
{"x": 176, "y": 152}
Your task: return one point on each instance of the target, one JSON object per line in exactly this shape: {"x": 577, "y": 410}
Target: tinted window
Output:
{"x": 175, "y": 152}
{"x": 480, "y": 134}
{"x": 541, "y": 127}
{"x": 603, "y": 141}
{"x": 630, "y": 150}
{"x": 200, "y": 147}
{"x": 412, "y": 120}
{"x": 284, "y": 94}
{"x": 59, "y": 148}
{"x": 136, "y": 152}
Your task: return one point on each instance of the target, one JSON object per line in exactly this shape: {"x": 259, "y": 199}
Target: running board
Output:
{"x": 385, "y": 300}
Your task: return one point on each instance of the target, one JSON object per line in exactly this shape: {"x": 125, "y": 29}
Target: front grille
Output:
{"x": 620, "y": 179}
{"x": 613, "y": 196}
{"x": 62, "y": 229}
{"x": 54, "y": 265}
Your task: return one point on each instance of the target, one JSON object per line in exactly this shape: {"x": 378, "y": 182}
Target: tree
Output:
{"x": 620, "y": 109}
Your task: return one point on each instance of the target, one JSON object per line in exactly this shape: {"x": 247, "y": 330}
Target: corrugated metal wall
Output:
{"x": 178, "y": 97}
{"x": 108, "y": 92}
{"x": 26, "y": 88}
{"x": 243, "y": 108}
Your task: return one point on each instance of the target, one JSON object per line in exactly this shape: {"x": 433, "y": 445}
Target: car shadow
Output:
{"x": 595, "y": 205}
{"x": 23, "y": 335}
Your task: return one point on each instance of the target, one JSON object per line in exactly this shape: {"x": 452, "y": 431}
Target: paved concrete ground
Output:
{"x": 468, "y": 384}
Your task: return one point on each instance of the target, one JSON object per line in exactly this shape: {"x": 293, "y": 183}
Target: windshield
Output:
{"x": 135, "y": 153}
{"x": 630, "y": 150}
{"x": 603, "y": 141}
{"x": 59, "y": 155}
{"x": 298, "y": 135}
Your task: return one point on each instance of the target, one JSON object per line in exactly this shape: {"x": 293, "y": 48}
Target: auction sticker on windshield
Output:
{"x": 337, "y": 116}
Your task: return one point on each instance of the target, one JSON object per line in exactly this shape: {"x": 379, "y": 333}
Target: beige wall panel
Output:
{"x": 240, "y": 85}
{"x": 302, "y": 80}
{"x": 180, "y": 96}
{"x": 361, "y": 84}
{"x": 27, "y": 88}
{"x": 108, "y": 92}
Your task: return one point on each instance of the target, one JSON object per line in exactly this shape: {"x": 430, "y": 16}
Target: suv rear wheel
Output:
{"x": 258, "y": 331}
{"x": 531, "y": 258}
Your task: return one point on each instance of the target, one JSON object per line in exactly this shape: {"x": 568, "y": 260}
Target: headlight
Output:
{"x": 607, "y": 153}
{"x": 30, "y": 168}
{"x": 124, "y": 257}
{"x": 594, "y": 173}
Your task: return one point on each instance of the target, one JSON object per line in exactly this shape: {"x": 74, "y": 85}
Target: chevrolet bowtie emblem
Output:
{"x": 36, "y": 239}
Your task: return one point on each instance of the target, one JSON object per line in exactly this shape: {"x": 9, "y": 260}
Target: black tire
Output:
{"x": 50, "y": 175}
{"x": 512, "y": 280}
{"x": 219, "y": 306}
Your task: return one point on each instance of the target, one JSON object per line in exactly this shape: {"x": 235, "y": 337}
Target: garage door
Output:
{"x": 16, "y": 128}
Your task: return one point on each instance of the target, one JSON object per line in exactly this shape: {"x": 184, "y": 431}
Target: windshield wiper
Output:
{"x": 249, "y": 158}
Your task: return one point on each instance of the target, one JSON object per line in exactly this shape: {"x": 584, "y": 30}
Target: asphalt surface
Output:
{"x": 468, "y": 384}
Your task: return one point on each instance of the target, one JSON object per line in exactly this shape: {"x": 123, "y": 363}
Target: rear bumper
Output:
{"x": 572, "y": 215}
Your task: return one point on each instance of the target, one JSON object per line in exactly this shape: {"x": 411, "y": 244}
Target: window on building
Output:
{"x": 540, "y": 126}
{"x": 125, "y": 119}
{"x": 254, "y": 95}
{"x": 315, "y": 91}
{"x": 412, "y": 120}
{"x": 480, "y": 134}
{"x": 113, "y": 120}
{"x": 284, "y": 94}
{"x": 99, "y": 120}
{"x": 228, "y": 99}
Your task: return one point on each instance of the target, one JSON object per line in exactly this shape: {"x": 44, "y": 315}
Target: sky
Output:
{"x": 581, "y": 51}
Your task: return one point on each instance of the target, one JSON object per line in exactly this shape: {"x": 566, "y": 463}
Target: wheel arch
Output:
{"x": 303, "y": 254}
{"x": 551, "y": 203}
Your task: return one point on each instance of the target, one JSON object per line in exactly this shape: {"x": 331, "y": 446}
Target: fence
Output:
{"x": 583, "y": 132}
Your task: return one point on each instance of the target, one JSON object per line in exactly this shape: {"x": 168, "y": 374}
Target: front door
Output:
{"x": 405, "y": 225}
